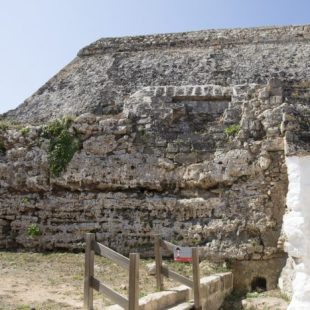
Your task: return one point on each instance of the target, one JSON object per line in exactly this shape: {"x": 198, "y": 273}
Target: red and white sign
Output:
{"x": 182, "y": 254}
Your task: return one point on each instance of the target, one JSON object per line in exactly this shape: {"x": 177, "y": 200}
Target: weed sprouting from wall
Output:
{"x": 232, "y": 130}
{"x": 24, "y": 131}
{"x": 25, "y": 200}
{"x": 33, "y": 230}
{"x": 63, "y": 144}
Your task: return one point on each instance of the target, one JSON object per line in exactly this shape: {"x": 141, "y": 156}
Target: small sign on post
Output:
{"x": 182, "y": 254}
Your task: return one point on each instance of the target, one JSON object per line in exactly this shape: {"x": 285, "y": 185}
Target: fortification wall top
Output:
{"x": 205, "y": 38}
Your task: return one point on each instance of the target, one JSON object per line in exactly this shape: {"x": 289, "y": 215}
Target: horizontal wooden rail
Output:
{"x": 167, "y": 245}
{"x": 176, "y": 276}
{"x": 104, "y": 289}
{"x": 102, "y": 250}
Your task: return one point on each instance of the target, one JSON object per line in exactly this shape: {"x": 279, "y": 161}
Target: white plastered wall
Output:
{"x": 296, "y": 226}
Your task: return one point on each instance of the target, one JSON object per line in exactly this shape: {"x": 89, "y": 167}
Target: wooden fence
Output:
{"x": 91, "y": 283}
{"x": 165, "y": 271}
{"x": 132, "y": 265}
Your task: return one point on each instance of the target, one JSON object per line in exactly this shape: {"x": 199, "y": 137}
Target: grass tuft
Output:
{"x": 232, "y": 130}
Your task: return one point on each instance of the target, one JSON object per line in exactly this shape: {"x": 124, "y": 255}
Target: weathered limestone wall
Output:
{"x": 164, "y": 165}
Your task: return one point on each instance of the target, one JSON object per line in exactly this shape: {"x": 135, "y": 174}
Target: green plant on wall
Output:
{"x": 33, "y": 230}
{"x": 8, "y": 123}
{"x": 4, "y": 125}
{"x": 25, "y": 200}
{"x": 232, "y": 130}
{"x": 24, "y": 131}
{"x": 62, "y": 144}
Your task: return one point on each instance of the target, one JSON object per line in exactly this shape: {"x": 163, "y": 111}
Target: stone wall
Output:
{"x": 246, "y": 272}
{"x": 202, "y": 165}
{"x": 214, "y": 289}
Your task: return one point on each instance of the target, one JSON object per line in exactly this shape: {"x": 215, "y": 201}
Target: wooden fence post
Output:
{"x": 89, "y": 272}
{"x": 196, "y": 278}
{"x": 133, "y": 292}
{"x": 158, "y": 264}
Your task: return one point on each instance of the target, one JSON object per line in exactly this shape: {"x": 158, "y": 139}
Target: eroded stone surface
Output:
{"x": 108, "y": 71}
{"x": 167, "y": 164}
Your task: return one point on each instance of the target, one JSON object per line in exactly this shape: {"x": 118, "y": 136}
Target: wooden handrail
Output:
{"x": 110, "y": 293}
{"x": 106, "y": 252}
{"x": 165, "y": 271}
{"x": 90, "y": 282}
{"x": 132, "y": 265}
{"x": 177, "y": 277}
{"x": 167, "y": 245}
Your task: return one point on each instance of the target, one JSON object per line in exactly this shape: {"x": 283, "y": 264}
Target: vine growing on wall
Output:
{"x": 63, "y": 143}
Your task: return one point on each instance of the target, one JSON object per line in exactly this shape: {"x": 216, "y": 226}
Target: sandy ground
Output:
{"x": 41, "y": 281}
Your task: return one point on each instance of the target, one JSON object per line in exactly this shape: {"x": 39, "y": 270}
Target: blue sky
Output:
{"x": 39, "y": 37}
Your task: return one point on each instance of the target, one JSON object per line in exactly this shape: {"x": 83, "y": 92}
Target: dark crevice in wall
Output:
{"x": 259, "y": 284}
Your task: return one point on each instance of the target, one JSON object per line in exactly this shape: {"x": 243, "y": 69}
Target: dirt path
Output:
{"x": 41, "y": 281}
